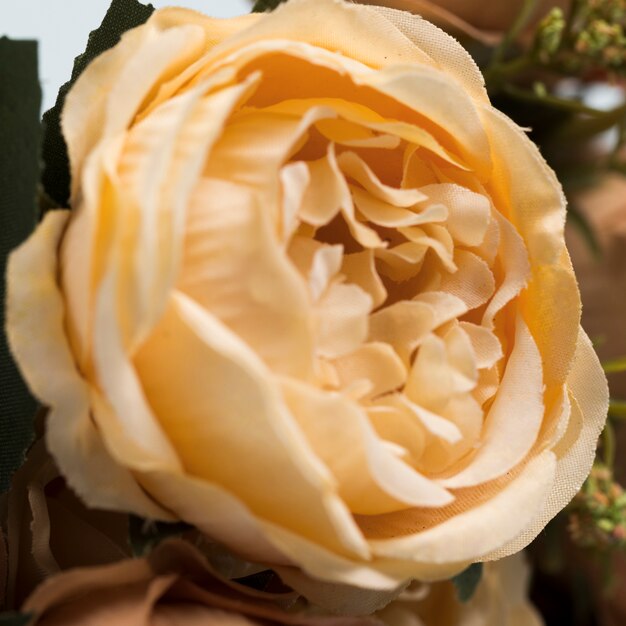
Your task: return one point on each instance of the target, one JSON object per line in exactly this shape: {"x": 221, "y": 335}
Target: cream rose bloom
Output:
{"x": 313, "y": 297}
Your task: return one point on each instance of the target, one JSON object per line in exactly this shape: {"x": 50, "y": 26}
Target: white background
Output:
{"x": 62, "y": 28}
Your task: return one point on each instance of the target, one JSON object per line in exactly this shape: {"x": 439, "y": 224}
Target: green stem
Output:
{"x": 575, "y": 8}
{"x": 617, "y": 410}
{"x": 608, "y": 445}
{"x": 595, "y": 123}
{"x": 523, "y": 17}
{"x": 496, "y": 74}
{"x": 572, "y": 106}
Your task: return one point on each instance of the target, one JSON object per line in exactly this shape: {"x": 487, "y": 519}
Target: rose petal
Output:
{"x": 230, "y": 397}
{"x": 37, "y": 338}
{"x": 515, "y": 418}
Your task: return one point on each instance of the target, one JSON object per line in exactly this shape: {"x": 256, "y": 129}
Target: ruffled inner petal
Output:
{"x": 231, "y": 398}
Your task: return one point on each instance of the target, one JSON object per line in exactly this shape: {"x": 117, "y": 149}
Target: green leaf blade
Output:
{"x": 20, "y": 140}
{"x": 123, "y": 15}
{"x": 467, "y": 581}
{"x": 261, "y": 6}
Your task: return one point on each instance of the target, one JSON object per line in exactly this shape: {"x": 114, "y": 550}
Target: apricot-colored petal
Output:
{"x": 477, "y": 531}
{"x": 404, "y": 325}
{"x": 94, "y": 107}
{"x": 327, "y": 191}
{"x": 433, "y": 379}
{"x": 442, "y": 48}
{"x": 436, "y": 238}
{"x": 295, "y": 179}
{"x": 588, "y": 387}
{"x": 515, "y": 267}
{"x": 401, "y": 262}
{"x": 235, "y": 267}
{"x": 360, "y": 269}
{"x": 380, "y": 43}
{"x": 353, "y": 166}
{"x": 445, "y": 104}
{"x": 487, "y": 346}
{"x": 129, "y": 428}
{"x": 37, "y": 338}
{"x": 390, "y": 216}
{"x": 370, "y": 119}
{"x": 371, "y": 479}
{"x": 474, "y": 283}
{"x": 376, "y": 363}
{"x": 469, "y": 213}
{"x": 435, "y": 424}
{"x": 396, "y": 424}
{"x": 325, "y": 266}
{"x": 342, "y": 322}
{"x": 232, "y": 399}
{"x": 515, "y": 418}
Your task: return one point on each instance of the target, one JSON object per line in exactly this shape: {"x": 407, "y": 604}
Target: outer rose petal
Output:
{"x": 589, "y": 390}
{"x": 465, "y": 536}
{"x": 528, "y": 190}
{"x": 35, "y": 326}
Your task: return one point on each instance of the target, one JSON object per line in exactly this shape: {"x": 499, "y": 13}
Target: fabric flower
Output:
{"x": 176, "y": 585}
{"x": 313, "y": 297}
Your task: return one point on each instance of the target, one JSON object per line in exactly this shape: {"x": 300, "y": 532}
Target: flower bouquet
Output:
{"x": 292, "y": 334}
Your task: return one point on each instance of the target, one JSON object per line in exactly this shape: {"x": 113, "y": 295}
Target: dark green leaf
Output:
{"x": 467, "y": 581}
{"x": 144, "y": 535}
{"x": 266, "y": 5}
{"x": 122, "y": 15}
{"x": 20, "y": 136}
{"x": 15, "y": 619}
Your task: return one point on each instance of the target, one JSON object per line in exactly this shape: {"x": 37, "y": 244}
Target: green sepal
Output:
{"x": 467, "y": 582}
{"x": 20, "y": 141}
{"x": 261, "y": 6}
{"x": 145, "y": 535}
{"x": 122, "y": 15}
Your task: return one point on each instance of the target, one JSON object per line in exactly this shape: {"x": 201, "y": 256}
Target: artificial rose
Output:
{"x": 313, "y": 297}
{"x": 176, "y": 585}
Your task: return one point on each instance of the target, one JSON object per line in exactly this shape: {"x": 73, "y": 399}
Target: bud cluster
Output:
{"x": 592, "y": 36}
{"x": 598, "y": 512}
